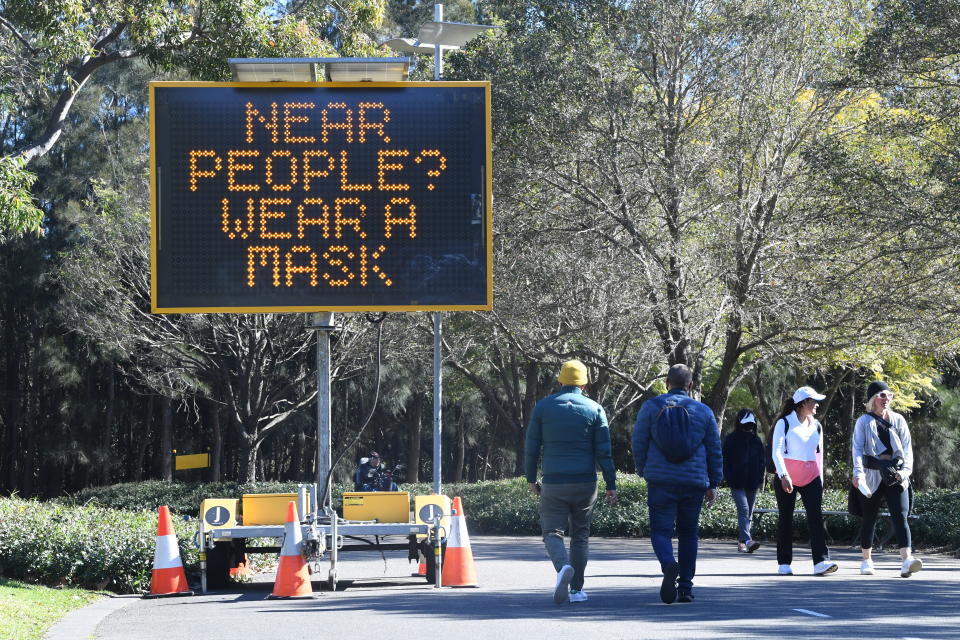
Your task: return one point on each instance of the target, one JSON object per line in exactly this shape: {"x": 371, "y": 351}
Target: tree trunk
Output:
{"x": 216, "y": 436}
{"x": 11, "y": 417}
{"x": 31, "y": 413}
{"x": 720, "y": 392}
{"x": 414, "y": 419}
{"x": 249, "y": 448}
{"x": 106, "y": 441}
{"x": 165, "y": 453}
{"x": 460, "y": 452}
{"x": 143, "y": 441}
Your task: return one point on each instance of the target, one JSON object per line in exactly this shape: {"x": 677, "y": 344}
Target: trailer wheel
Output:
{"x": 219, "y": 559}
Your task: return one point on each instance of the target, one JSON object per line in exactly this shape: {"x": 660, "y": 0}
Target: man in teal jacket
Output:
{"x": 676, "y": 490}
{"x": 571, "y": 430}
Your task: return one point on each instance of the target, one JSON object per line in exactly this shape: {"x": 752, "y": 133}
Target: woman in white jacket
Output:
{"x": 882, "y": 462}
{"x": 797, "y": 450}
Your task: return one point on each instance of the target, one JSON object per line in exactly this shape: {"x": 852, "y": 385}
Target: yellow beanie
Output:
{"x": 572, "y": 372}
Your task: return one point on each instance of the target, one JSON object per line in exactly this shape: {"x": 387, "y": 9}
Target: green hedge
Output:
{"x": 104, "y": 538}
{"x": 88, "y": 546}
{"x": 506, "y": 507}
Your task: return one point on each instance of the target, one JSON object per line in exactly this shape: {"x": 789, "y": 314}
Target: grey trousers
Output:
{"x": 564, "y": 506}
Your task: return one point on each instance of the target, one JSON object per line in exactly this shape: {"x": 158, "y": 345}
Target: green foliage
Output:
{"x": 508, "y": 508}
{"x": 18, "y": 213}
{"x": 85, "y": 546}
{"x": 939, "y": 522}
{"x": 182, "y": 497}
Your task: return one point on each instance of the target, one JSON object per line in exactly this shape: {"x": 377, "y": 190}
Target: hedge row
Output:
{"x": 506, "y": 507}
{"x": 88, "y": 546}
{"x": 104, "y": 538}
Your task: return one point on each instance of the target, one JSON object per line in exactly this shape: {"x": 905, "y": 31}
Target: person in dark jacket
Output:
{"x": 571, "y": 432}
{"x": 743, "y": 468}
{"x": 677, "y": 490}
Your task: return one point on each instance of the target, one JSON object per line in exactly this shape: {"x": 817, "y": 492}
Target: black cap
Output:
{"x": 374, "y": 454}
{"x": 876, "y": 387}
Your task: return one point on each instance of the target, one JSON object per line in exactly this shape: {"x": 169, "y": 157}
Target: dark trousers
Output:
{"x": 898, "y": 502}
{"x": 675, "y": 508}
{"x": 812, "y": 497}
{"x": 568, "y": 507}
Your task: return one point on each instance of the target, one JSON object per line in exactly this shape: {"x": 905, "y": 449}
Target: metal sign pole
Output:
{"x": 437, "y": 400}
{"x": 437, "y": 48}
{"x": 323, "y": 323}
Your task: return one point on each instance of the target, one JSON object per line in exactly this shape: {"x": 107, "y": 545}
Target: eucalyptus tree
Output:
{"x": 49, "y": 51}
{"x": 676, "y": 136}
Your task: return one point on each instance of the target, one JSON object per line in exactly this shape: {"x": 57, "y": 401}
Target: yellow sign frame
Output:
{"x": 488, "y": 179}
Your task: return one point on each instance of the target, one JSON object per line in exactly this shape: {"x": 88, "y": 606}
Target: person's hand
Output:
{"x": 535, "y": 488}
{"x": 710, "y": 497}
{"x": 786, "y": 483}
{"x": 611, "y": 497}
{"x": 856, "y": 482}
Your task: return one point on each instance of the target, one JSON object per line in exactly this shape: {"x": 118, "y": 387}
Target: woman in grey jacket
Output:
{"x": 882, "y": 462}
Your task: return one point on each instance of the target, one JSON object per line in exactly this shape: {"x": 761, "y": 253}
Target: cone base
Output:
{"x": 176, "y": 594}
{"x": 273, "y": 597}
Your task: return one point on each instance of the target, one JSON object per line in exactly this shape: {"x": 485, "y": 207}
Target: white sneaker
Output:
{"x": 785, "y": 570}
{"x": 825, "y": 567}
{"x": 866, "y": 568}
{"x": 578, "y": 596}
{"x": 561, "y": 590}
{"x": 910, "y": 566}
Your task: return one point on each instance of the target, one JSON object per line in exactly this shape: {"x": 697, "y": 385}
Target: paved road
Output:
{"x": 737, "y": 596}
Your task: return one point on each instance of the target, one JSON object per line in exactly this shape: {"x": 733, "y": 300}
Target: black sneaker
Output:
{"x": 684, "y": 595}
{"x": 668, "y": 588}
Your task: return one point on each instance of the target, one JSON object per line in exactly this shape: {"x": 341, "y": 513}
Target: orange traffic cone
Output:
{"x": 242, "y": 570}
{"x": 293, "y": 575}
{"x": 168, "y": 578}
{"x": 458, "y": 569}
{"x": 422, "y": 569}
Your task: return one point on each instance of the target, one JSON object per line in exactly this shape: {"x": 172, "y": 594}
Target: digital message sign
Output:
{"x": 320, "y": 197}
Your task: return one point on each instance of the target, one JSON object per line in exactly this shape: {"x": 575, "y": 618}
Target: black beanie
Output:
{"x": 876, "y": 387}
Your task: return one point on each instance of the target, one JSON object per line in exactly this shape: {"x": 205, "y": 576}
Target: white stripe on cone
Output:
{"x": 167, "y": 553}
{"x": 458, "y": 533}
{"x": 292, "y": 539}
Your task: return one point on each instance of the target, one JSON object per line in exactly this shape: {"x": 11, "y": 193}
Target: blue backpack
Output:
{"x": 671, "y": 430}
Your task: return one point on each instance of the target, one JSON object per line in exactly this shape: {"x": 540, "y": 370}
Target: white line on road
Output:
{"x": 812, "y": 613}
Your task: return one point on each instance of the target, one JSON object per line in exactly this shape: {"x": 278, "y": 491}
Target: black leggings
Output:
{"x": 898, "y": 502}
{"x": 812, "y": 496}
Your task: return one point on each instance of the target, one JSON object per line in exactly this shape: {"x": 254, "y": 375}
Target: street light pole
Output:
{"x": 437, "y": 48}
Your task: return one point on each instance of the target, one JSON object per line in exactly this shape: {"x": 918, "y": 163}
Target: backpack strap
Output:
{"x": 786, "y": 427}
{"x": 887, "y": 424}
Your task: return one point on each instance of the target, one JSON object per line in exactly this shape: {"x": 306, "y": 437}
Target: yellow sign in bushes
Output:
{"x": 193, "y": 461}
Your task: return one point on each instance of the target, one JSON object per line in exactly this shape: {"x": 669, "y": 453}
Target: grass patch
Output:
{"x": 27, "y": 611}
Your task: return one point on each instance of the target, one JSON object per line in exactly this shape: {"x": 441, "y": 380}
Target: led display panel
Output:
{"x": 271, "y": 197}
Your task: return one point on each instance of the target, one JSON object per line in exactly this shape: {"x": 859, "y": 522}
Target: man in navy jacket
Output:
{"x": 676, "y": 490}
